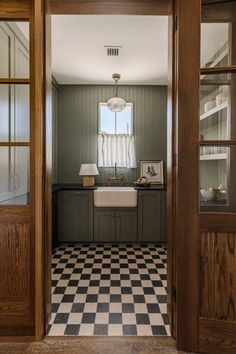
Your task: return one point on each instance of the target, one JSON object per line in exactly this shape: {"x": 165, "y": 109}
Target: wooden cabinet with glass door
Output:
{"x": 217, "y": 116}
{"x": 217, "y": 239}
{"x": 16, "y": 261}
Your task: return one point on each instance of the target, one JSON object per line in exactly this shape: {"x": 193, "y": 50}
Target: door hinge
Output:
{"x": 174, "y": 160}
{"x": 176, "y": 23}
{"x": 174, "y": 293}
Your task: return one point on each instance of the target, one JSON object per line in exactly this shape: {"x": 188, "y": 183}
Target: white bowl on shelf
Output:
{"x": 208, "y": 194}
{"x": 221, "y": 98}
{"x": 210, "y": 105}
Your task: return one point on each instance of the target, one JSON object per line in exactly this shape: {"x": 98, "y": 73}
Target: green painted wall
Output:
{"x": 77, "y": 126}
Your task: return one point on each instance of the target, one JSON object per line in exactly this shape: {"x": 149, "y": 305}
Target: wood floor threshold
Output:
{"x": 94, "y": 345}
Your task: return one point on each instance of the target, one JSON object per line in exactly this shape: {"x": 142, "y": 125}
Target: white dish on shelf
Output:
{"x": 221, "y": 98}
{"x": 208, "y": 194}
{"x": 210, "y": 105}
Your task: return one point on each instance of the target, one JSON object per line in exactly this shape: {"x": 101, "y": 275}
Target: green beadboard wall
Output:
{"x": 77, "y": 126}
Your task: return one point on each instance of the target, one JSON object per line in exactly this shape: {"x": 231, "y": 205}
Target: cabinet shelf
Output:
{"x": 214, "y": 110}
{"x": 210, "y": 157}
{"x": 211, "y": 117}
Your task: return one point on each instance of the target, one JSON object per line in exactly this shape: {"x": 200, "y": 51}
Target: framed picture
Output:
{"x": 152, "y": 170}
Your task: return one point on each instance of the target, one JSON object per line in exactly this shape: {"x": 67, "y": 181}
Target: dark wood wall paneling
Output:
{"x": 78, "y": 126}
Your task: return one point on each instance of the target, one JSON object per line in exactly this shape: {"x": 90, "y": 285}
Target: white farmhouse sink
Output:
{"x": 119, "y": 197}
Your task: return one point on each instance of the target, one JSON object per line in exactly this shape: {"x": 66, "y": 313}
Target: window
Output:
{"x": 115, "y": 137}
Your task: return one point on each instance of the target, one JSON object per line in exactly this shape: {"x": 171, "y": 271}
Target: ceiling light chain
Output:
{"x": 116, "y": 104}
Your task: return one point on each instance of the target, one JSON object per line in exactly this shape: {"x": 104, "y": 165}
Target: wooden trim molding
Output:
{"x": 37, "y": 153}
{"x": 14, "y": 81}
{"x": 187, "y": 218}
{"x": 217, "y": 222}
{"x": 16, "y": 143}
{"x": 217, "y": 142}
{"x": 14, "y": 9}
{"x": 110, "y": 7}
{"x": 218, "y": 70}
{"x": 14, "y": 213}
{"x": 216, "y": 336}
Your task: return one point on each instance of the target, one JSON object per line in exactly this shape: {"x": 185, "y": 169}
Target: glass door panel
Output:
{"x": 217, "y": 178}
{"x": 218, "y": 38}
{"x": 14, "y": 175}
{"x": 14, "y": 113}
{"x": 217, "y": 108}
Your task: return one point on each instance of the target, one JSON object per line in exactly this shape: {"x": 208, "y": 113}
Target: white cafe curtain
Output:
{"x": 116, "y": 148}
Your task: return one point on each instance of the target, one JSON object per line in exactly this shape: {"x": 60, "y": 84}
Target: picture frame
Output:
{"x": 152, "y": 170}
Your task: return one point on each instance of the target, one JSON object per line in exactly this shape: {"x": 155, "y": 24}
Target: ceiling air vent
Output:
{"x": 113, "y": 51}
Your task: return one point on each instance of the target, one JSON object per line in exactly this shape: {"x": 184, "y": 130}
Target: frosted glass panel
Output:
{"x": 14, "y": 113}
{"x": 14, "y": 175}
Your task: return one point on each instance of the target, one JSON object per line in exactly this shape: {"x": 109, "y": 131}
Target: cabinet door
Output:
{"x": 104, "y": 225}
{"x": 126, "y": 225}
{"x": 149, "y": 216}
{"x": 77, "y": 216}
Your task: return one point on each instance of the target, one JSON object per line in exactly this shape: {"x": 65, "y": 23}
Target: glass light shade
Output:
{"x": 116, "y": 104}
{"x": 88, "y": 169}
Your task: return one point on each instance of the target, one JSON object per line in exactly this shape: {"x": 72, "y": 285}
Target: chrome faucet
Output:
{"x": 117, "y": 179}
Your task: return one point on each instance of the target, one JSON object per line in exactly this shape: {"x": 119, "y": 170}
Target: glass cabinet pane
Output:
{"x": 14, "y": 113}
{"x": 14, "y": 49}
{"x": 218, "y": 34}
{"x": 218, "y": 178}
{"x": 215, "y": 44}
{"x": 217, "y": 108}
{"x": 14, "y": 175}
{"x": 5, "y": 51}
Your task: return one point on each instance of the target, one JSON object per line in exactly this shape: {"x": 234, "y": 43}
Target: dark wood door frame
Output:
{"x": 182, "y": 118}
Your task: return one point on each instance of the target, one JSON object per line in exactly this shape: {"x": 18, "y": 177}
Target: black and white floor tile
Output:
{"x": 109, "y": 290}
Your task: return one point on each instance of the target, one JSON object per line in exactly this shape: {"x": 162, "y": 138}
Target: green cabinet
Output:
{"x": 152, "y": 216}
{"x": 115, "y": 225}
{"x": 75, "y": 215}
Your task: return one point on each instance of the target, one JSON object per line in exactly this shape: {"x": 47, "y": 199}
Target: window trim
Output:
{"x": 130, "y": 104}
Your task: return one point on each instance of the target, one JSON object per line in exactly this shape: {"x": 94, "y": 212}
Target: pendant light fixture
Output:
{"x": 116, "y": 104}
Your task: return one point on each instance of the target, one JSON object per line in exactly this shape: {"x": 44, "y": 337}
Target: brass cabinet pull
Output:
{"x": 118, "y": 215}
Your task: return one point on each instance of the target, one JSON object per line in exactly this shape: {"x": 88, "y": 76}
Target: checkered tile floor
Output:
{"x": 109, "y": 290}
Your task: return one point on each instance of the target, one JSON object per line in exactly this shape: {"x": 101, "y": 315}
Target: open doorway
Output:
{"x": 109, "y": 261}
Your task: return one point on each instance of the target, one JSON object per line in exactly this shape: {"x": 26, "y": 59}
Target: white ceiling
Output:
{"x": 79, "y": 56}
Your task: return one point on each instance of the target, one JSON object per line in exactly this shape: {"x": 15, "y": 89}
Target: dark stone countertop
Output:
{"x": 78, "y": 186}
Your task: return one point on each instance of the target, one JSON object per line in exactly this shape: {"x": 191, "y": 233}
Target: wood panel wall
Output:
{"x": 77, "y": 127}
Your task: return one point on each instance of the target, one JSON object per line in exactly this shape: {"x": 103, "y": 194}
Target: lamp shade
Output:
{"x": 88, "y": 169}
{"x": 116, "y": 104}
